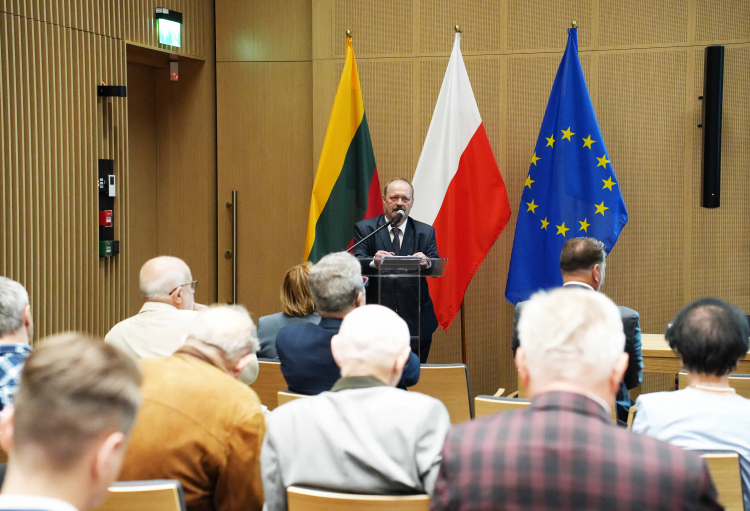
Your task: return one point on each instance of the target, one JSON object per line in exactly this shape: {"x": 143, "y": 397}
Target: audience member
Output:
{"x": 68, "y": 429}
{"x": 582, "y": 262}
{"x": 198, "y": 424}
{"x": 298, "y": 307}
{"x": 563, "y": 452}
{"x": 16, "y": 331}
{"x": 710, "y": 336}
{"x": 305, "y": 349}
{"x": 364, "y": 436}
{"x": 157, "y": 330}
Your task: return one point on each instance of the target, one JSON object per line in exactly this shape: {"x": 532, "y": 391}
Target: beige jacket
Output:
{"x": 202, "y": 427}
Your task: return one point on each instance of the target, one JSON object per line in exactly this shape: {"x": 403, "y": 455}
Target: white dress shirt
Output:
{"x": 35, "y": 503}
{"x": 156, "y": 331}
{"x": 700, "y": 420}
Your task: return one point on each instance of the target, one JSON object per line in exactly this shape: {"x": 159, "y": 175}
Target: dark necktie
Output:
{"x": 396, "y": 241}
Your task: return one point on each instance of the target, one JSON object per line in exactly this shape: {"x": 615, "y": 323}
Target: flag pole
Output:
{"x": 463, "y": 333}
{"x": 574, "y": 24}
{"x": 457, "y": 28}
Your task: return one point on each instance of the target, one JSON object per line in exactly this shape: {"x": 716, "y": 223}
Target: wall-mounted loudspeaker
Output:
{"x": 713, "y": 92}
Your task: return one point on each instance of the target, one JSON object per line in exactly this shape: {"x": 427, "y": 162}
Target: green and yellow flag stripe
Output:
{"x": 346, "y": 181}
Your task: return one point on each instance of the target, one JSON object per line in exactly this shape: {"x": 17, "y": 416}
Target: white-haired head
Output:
{"x": 228, "y": 328}
{"x": 165, "y": 279}
{"x": 15, "y": 314}
{"x": 572, "y": 336}
{"x": 335, "y": 283}
{"x": 372, "y": 341}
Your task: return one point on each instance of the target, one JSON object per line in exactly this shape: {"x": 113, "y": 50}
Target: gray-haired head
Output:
{"x": 161, "y": 275}
{"x": 335, "y": 282}
{"x": 13, "y": 301}
{"x": 228, "y": 328}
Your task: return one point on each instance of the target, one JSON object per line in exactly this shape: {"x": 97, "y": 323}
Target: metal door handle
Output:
{"x": 232, "y": 254}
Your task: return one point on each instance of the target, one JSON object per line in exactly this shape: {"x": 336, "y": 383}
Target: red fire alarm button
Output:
{"x": 105, "y": 218}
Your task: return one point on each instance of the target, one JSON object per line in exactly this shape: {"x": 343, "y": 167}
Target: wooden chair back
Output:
{"x": 304, "y": 499}
{"x": 448, "y": 383}
{"x": 284, "y": 396}
{"x": 269, "y": 382}
{"x": 725, "y": 472}
{"x": 739, "y": 382}
{"x": 159, "y": 494}
{"x": 487, "y": 405}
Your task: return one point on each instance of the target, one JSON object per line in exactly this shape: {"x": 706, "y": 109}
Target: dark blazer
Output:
{"x": 399, "y": 294}
{"x": 631, "y": 324}
{"x": 563, "y": 453}
{"x": 307, "y": 362}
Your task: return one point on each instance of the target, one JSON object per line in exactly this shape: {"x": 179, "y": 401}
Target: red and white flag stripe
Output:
{"x": 458, "y": 188}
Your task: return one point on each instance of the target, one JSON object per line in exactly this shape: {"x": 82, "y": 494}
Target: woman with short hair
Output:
{"x": 297, "y": 306}
{"x": 710, "y": 336}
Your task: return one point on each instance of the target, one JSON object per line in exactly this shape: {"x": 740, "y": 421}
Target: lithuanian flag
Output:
{"x": 346, "y": 188}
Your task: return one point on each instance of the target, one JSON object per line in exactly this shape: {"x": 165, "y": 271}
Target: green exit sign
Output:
{"x": 170, "y": 24}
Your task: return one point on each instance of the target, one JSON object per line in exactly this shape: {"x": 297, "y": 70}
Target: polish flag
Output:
{"x": 458, "y": 188}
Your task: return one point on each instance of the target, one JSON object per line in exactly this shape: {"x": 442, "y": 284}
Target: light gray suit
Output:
{"x": 373, "y": 440}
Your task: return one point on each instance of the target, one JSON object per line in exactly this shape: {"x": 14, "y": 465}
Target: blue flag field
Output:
{"x": 571, "y": 189}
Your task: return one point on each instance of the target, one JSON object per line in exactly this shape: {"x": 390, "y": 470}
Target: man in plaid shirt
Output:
{"x": 563, "y": 452}
{"x": 16, "y": 329}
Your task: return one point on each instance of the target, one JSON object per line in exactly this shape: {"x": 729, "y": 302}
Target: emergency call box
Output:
{"x": 105, "y": 218}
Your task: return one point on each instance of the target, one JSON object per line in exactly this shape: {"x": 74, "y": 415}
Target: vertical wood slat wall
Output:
{"x": 53, "y": 129}
{"x": 644, "y": 68}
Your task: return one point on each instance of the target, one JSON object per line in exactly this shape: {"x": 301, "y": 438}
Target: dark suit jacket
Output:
{"x": 563, "y": 453}
{"x": 307, "y": 362}
{"x": 631, "y": 323}
{"x": 400, "y": 294}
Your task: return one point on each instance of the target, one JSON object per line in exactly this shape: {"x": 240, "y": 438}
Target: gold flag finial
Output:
{"x": 457, "y": 29}
{"x": 574, "y": 24}
{"x": 348, "y": 33}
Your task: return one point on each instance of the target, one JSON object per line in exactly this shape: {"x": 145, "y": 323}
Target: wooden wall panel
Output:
{"x": 254, "y": 31}
{"x": 540, "y": 25}
{"x": 380, "y": 28}
{"x": 102, "y": 17}
{"x": 54, "y": 129}
{"x": 721, "y": 245}
{"x": 652, "y": 23}
{"x": 643, "y": 124}
{"x": 483, "y": 22}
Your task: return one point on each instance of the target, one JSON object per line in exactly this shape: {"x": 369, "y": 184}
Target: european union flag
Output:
{"x": 570, "y": 190}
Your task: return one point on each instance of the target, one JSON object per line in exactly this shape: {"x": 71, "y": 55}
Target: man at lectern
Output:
{"x": 405, "y": 237}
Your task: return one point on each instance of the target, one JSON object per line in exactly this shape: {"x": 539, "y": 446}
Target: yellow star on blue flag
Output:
{"x": 567, "y": 187}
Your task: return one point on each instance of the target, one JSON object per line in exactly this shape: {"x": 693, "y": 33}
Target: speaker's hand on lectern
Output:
{"x": 379, "y": 255}
{"x": 425, "y": 260}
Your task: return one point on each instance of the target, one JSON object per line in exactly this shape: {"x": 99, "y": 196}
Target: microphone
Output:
{"x": 397, "y": 217}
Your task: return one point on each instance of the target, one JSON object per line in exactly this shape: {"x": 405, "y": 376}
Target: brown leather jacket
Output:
{"x": 202, "y": 427}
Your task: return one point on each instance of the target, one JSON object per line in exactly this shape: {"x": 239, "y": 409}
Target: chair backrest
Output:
{"x": 158, "y": 494}
{"x": 487, "y": 405}
{"x": 305, "y": 499}
{"x": 284, "y": 396}
{"x": 725, "y": 472}
{"x": 269, "y": 382}
{"x": 448, "y": 383}
{"x": 739, "y": 382}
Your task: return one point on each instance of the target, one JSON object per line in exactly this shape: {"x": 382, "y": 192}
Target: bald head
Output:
{"x": 372, "y": 341}
{"x": 164, "y": 278}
